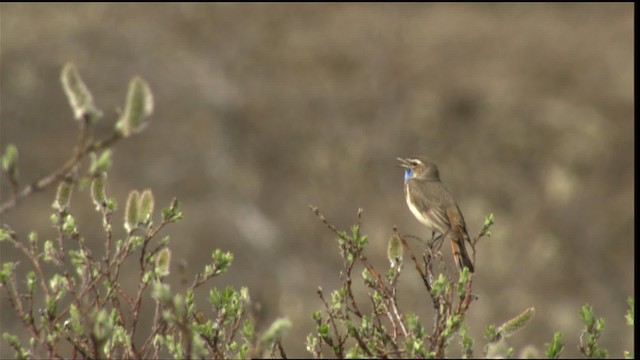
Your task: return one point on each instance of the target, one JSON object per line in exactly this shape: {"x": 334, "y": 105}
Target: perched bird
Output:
{"x": 432, "y": 204}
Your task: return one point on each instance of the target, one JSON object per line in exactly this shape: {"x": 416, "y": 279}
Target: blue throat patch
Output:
{"x": 408, "y": 174}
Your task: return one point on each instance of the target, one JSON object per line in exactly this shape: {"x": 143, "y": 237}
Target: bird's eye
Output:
{"x": 414, "y": 163}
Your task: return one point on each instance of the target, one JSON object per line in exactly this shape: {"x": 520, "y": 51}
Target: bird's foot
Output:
{"x": 436, "y": 241}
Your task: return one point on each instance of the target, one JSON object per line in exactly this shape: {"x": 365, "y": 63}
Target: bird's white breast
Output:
{"x": 414, "y": 210}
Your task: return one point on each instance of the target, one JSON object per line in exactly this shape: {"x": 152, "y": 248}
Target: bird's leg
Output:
{"x": 437, "y": 242}
{"x": 433, "y": 239}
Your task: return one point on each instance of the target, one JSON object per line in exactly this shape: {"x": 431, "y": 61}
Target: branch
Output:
{"x": 80, "y": 151}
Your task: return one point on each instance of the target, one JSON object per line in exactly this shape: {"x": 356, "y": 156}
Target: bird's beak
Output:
{"x": 404, "y": 163}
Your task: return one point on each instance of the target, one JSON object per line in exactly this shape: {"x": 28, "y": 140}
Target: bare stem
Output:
{"x": 80, "y": 151}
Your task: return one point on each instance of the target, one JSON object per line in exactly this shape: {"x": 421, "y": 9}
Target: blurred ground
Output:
{"x": 263, "y": 109}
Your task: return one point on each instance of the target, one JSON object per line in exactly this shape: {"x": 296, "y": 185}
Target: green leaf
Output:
{"x": 395, "y": 250}
{"x": 100, "y": 164}
{"x": 555, "y": 347}
{"x": 316, "y": 315}
{"x": 102, "y": 324}
{"x": 7, "y": 270}
{"x": 488, "y": 221}
{"x": 13, "y": 341}
{"x": 160, "y": 291}
{"x": 221, "y": 261}
{"x": 10, "y": 161}
{"x": 31, "y": 281}
{"x": 466, "y": 341}
{"x": 4, "y": 234}
{"x": 631, "y": 312}
{"x": 463, "y": 280}
{"x": 510, "y": 327}
{"x": 97, "y": 191}
{"x": 368, "y": 279}
{"x": 337, "y": 299}
{"x": 163, "y": 261}
{"x": 593, "y": 330}
{"x": 58, "y": 284}
{"x": 215, "y": 298}
{"x": 244, "y": 293}
{"x": 132, "y": 219}
{"x": 323, "y": 330}
{"x": 49, "y": 253}
{"x": 76, "y": 324}
{"x": 491, "y": 334}
{"x": 312, "y": 343}
{"x": 586, "y": 314}
{"x": 78, "y": 94}
{"x": 439, "y": 285}
{"x": 69, "y": 225}
{"x": 138, "y": 107}
{"x": 248, "y": 329}
{"x": 146, "y": 206}
{"x": 172, "y": 213}
{"x": 63, "y": 195}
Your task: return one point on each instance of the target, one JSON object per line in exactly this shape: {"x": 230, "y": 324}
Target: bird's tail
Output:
{"x": 460, "y": 254}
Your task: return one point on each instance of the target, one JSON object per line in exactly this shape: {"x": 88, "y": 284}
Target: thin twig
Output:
{"x": 81, "y": 150}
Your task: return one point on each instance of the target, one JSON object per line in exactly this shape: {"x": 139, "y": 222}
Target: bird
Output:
{"x": 432, "y": 204}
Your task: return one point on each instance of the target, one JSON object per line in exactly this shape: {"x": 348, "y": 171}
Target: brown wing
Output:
{"x": 435, "y": 203}
{"x": 429, "y": 198}
{"x": 457, "y": 221}
{"x": 458, "y": 236}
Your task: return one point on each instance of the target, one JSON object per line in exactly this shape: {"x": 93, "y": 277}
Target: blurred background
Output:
{"x": 263, "y": 109}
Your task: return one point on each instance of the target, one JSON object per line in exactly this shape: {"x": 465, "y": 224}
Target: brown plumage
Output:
{"x": 432, "y": 204}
